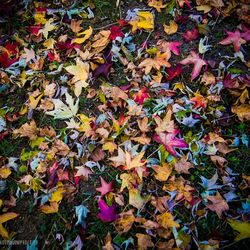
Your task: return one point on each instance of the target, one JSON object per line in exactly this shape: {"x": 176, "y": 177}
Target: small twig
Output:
{"x": 106, "y": 26}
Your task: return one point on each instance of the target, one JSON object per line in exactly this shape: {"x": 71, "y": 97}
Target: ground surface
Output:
{"x": 117, "y": 132}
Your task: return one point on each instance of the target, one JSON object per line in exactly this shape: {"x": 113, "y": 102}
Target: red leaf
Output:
{"x": 141, "y": 95}
{"x": 194, "y": 59}
{"x": 191, "y": 34}
{"x": 169, "y": 141}
{"x": 34, "y": 29}
{"x": 107, "y": 214}
{"x": 115, "y": 32}
{"x": 174, "y": 72}
{"x": 6, "y": 61}
{"x": 105, "y": 187}
{"x": 122, "y": 22}
{"x": 233, "y": 38}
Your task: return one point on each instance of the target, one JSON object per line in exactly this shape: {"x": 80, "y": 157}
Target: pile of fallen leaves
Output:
{"x": 155, "y": 149}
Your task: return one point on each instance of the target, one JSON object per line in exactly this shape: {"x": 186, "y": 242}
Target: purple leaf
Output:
{"x": 107, "y": 214}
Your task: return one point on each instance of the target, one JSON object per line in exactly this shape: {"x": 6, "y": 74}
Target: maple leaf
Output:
{"x": 144, "y": 20}
{"x": 86, "y": 35}
{"x": 135, "y": 198}
{"x": 81, "y": 213}
{"x": 170, "y": 141}
{"x": 171, "y": 28}
{"x": 218, "y": 205}
{"x": 105, "y": 187}
{"x": 75, "y": 25}
{"x": 63, "y": 111}
{"x": 166, "y": 220}
{"x": 233, "y": 38}
{"x": 174, "y": 72}
{"x": 6, "y": 61}
{"x": 199, "y": 101}
{"x": 141, "y": 95}
{"x": 50, "y": 209}
{"x": 183, "y": 166}
{"x": 83, "y": 171}
{"x": 144, "y": 241}
{"x": 157, "y": 4}
{"x": 242, "y": 227}
{"x": 198, "y": 63}
{"x": 47, "y": 28}
{"x": 107, "y": 214}
{"x": 115, "y": 31}
{"x": 4, "y": 218}
{"x": 81, "y": 73}
{"x": 242, "y": 111}
{"x": 162, "y": 172}
{"x": 191, "y": 34}
{"x": 125, "y": 221}
{"x": 161, "y": 59}
{"x": 164, "y": 46}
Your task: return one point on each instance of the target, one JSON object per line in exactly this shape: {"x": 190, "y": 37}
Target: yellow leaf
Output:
{"x": 242, "y": 227}
{"x": 49, "y": 43}
{"x": 50, "y": 209}
{"x": 135, "y": 198}
{"x": 110, "y": 146}
{"x": 3, "y": 232}
{"x": 146, "y": 20}
{"x": 57, "y": 195}
{"x": 47, "y": 28}
{"x": 86, "y": 35}
{"x": 171, "y": 28}
{"x": 81, "y": 73}
{"x": 4, "y": 172}
{"x": 162, "y": 173}
{"x": 34, "y": 101}
{"x": 7, "y": 216}
{"x": 242, "y": 111}
{"x": 166, "y": 220}
{"x": 40, "y": 17}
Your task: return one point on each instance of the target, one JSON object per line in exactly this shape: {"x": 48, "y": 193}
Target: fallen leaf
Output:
{"x": 171, "y": 28}
{"x": 144, "y": 241}
{"x": 105, "y": 187}
{"x": 106, "y": 214}
{"x": 198, "y": 63}
{"x": 219, "y": 205}
{"x": 242, "y": 227}
{"x": 50, "y": 209}
{"x": 166, "y": 220}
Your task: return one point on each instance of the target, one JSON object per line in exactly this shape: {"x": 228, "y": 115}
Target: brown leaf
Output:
{"x": 218, "y": 205}
{"x": 144, "y": 241}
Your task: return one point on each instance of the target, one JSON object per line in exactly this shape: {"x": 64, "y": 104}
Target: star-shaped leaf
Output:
{"x": 170, "y": 141}
{"x": 63, "y": 111}
{"x": 105, "y": 187}
{"x": 233, "y": 38}
{"x": 198, "y": 63}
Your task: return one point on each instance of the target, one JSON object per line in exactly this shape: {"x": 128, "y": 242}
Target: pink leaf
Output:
{"x": 191, "y": 34}
{"x": 194, "y": 59}
{"x": 105, "y": 187}
{"x": 173, "y": 46}
{"x": 169, "y": 141}
{"x": 233, "y": 38}
{"x": 107, "y": 214}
